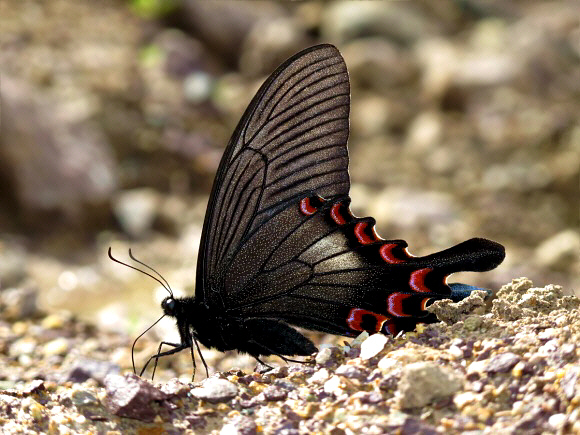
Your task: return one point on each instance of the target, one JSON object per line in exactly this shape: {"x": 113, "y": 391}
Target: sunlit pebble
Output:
{"x": 518, "y": 407}
{"x": 19, "y": 328}
{"x": 323, "y": 355}
{"x": 52, "y": 321}
{"x": 321, "y": 375}
{"x": 461, "y": 400}
{"x": 68, "y": 280}
{"x": 386, "y": 363}
{"x": 25, "y": 360}
{"x": 372, "y": 346}
{"x": 24, "y": 346}
{"x": 557, "y": 421}
{"x": 455, "y": 351}
{"x": 58, "y": 346}
{"x": 333, "y": 385}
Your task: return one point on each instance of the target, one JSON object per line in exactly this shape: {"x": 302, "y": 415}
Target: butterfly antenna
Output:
{"x": 163, "y": 283}
{"x": 135, "y": 342}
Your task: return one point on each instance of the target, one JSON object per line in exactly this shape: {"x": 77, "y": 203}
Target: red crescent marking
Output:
{"x": 386, "y": 252}
{"x": 424, "y": 303}
{"x": 354, "y": 319}
{"x": 359, "y": 232}
{"x": 336, "y": 215}
{"x": 307, "y": 208}
{"x": 395, "y": 304}
{"x": 417, "y": 281}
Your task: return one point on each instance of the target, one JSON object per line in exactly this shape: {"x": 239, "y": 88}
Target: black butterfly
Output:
{"x": 280, "y": 246}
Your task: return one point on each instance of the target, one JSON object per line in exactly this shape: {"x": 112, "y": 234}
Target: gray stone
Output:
{"x": 425, "y": 382}
{"x": 215, "y": 390}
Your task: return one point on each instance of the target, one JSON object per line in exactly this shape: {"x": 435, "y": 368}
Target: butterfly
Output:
{"x": 280, "y": 247}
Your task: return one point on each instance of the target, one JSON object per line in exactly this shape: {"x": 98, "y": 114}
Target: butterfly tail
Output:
{"x": 473, "y": 255}
{"x": 427, "y": 276}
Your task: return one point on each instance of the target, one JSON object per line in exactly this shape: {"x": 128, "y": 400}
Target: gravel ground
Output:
{"x": 513, "y": 367}
{"x": 464, "y": 123}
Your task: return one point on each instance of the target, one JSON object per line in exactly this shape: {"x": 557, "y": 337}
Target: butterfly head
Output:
{"x": 169, "y": 306}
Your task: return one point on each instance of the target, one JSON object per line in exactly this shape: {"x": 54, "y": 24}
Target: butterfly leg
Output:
{"x": 287, "y": 360}
{"x": 262, "y": 362}
{"x": 201, "y": 356}
{"x": 177, "y": 347}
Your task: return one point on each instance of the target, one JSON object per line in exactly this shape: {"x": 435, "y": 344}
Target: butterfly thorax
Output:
{"x": 195, "y": 319}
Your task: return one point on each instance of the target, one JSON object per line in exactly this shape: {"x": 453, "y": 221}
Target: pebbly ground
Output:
{"x": 512, "y": 367}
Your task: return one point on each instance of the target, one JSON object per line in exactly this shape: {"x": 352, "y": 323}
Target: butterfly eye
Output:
{"x": 168, "y": 306}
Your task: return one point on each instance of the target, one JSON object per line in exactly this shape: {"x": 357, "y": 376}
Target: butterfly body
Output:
{"x": 280, "y": 247}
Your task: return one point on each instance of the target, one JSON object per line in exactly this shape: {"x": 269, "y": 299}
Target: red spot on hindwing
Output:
{"x": 336, "y": 214}
{"x": 306, "y": 207}
{"x": 417, "y": 280}
{"x": 424, "y": 303}
{"x": 360, "y": 231}
{"x": 386, "y": 252}
{"x": 364, "y": 320}
{"x": 395, "y": 304}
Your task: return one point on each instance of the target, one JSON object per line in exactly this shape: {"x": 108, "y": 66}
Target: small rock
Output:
{"x": 280, "y": 372}
{"x": 37, "y": 411}
{"x": 84, "y": 398}
{"x": 320, "y": 376}
{"x": 359, "y": 339}
{"x": 196, "y": 421}
{"x": 241, "y": 425}
{"x": 323, "y": 356}
{"x": 387, "y": 363}
{"x": 34, "y": 387}
{"x": 569, "y": 382}
{"x": 371, "y": 398}
{"x": 372, "y": 346}
{"x": 351, "y": 372}
{"x": 215, "y": 390}
{"x": 174, "y": 387}
{"x": 58, "y": 346}
{"x": 333, "y": 386}
{"x": 87, "y": 368}
{"x": 19, "y": 303}
{"x": 274, "y": 393}
{"x": 557, "y": 421}
{"x": 12, "y": 264}
{"x": 502, "y": 363}
{"x": 130, "y": 396}
{"x": 53, "y": 321}
{"x": 416, "y": 426}
{"x": 425, "y": 382}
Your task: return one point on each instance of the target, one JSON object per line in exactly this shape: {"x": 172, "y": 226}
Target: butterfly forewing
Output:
{"x": 290, "y": 142}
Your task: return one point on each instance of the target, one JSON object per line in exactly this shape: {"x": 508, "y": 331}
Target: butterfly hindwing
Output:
{"x": 317, "y": 266}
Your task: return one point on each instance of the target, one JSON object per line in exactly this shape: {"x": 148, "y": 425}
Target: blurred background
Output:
{"x": 464, "y": 122}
